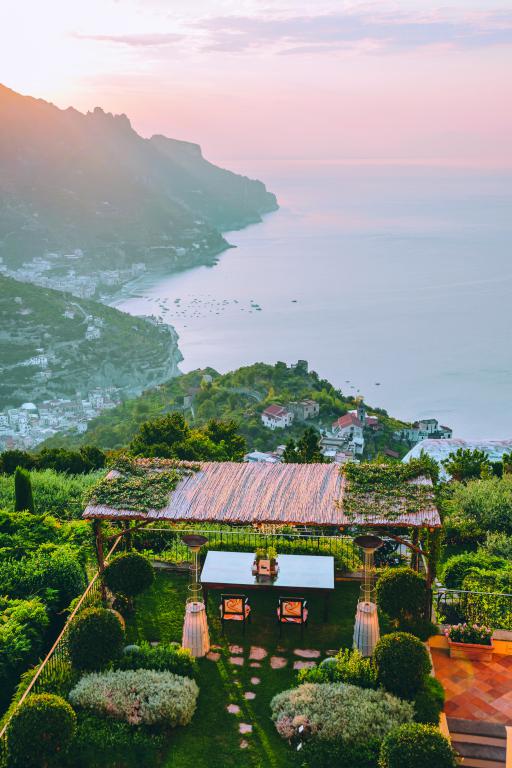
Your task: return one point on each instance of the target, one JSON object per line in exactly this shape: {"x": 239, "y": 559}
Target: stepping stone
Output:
{"x": 257, "y": 654}
{"x": 255, "y": 681}
{"x": 278, "y": 662}
{"x": 244, "y": 744}
{"x": 238, "y": 661}
{"x": 331, "y": 653}
{"x": 304, "y": 664}
{"x": 236, "y": 650}
{"x": 249, "y": 695}
{"x": 155, "y": 642}
{"x": 307, "y": 653}
{"x": 233, "y": 709}
{"x": 255, "y": 664}
{"x": 245, "y": 728}
{"x": 213, "y": 656}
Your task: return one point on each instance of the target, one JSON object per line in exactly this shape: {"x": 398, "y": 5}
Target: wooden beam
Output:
{"x": 127, "y": 531}
{"x": 408, "y": 544}
{"x": 100, "y": 556}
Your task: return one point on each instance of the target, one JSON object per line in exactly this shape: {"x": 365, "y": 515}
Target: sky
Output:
{"x": 262, "y": 81}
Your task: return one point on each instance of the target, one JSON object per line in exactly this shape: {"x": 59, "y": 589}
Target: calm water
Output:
{"x": 401, "y": 276}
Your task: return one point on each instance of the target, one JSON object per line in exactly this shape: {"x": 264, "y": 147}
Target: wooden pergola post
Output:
{"x": 100, "y": 557}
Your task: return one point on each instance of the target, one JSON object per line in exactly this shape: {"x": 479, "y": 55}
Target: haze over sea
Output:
{"x": 400, "y": 275}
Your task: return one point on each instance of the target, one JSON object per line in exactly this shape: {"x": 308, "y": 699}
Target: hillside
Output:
{"x": 88, "y": 186}
{"x": 241, "y": 395}
{"x": 53, "y": 345}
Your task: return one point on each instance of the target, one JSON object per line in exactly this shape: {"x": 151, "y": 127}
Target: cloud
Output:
{"x": 372, "y": 30}
{"x": 140, "y": 40}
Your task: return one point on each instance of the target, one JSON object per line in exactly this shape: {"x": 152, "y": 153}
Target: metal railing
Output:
{"x": 493, "y": 609}
{"x": 58, "y": 653}
{"x": 166, "y": 544}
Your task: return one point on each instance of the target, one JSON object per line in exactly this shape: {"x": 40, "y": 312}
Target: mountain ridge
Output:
{"x": 88, "y": 181}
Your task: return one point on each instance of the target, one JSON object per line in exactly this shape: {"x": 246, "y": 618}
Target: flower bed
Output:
{"x": 470, "y": 641}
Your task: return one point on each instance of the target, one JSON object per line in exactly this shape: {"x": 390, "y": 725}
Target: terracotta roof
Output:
{"x": 253, "y": 493}
{"x": 275, "y": 411}
{"x": 348, "y": 420}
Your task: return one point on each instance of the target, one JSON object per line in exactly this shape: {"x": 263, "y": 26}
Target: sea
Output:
{"x": 394, "y": 282}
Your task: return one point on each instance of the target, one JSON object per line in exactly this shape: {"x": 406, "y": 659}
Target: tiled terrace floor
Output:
{"x": 476, "y": 690}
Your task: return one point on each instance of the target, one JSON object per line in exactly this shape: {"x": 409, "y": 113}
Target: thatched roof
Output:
{"x": 256, "y": 493}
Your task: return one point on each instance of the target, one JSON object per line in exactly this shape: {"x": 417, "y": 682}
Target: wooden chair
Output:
{"x": 234, "y": 608}
{"x": 292, "y": 610}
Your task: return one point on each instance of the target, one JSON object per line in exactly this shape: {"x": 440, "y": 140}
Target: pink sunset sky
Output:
{"x": 255, "y": 82}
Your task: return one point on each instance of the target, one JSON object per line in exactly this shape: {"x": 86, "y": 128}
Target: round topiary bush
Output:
{"x": 40, "y": 731}
{"x": 129, "y": 574}
{"x": 414, "y": 745}
{"x": 402, "y": 594}
{"x": 95, "y": 638}
{"x": 402, "y": 664}
{"x": 429, "y": 702}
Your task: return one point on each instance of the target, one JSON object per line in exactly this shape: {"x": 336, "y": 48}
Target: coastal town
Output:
{"x": 61, "y": 272}
{"x": 31, "y": 424}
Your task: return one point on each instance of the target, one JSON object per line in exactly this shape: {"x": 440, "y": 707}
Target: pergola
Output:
{"x": 262, "y": 494}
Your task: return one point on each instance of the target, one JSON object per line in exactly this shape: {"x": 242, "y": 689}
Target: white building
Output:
{"x": 349, "y": 429}
{"x": 277, "y": 417}
{"x": 423, "y": 430}
{"x": 259, "y": 457}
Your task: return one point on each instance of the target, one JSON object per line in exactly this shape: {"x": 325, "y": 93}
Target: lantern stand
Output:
{"x": 366, "y": 629}
{"x": 195, "y": 626}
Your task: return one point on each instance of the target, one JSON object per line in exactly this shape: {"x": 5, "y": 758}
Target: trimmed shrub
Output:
{"x": 23, "y": 498}
{"x": 40, "y": 731}
{"x": 138, "y": 696}
{"x": 348, "y": 666}
{"x": 336, "y": 711}
{"x": 129, "y": 573}
{"x": 103, "y": 742}
{"x": 402, "y": 664}
{"x": 402, "y": 594}
{"x": 95, "y": 638}
{"x": 457, "y": 567}
{"x": 429, "y": 702}
{"x": 415, "y": 745}
{"x": 162, "y": 658}
{"x": 317, "y": 753}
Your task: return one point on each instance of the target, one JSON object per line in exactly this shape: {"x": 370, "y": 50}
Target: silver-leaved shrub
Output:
{"x": 334, "y": 711}
{"x": 138, "y": 696}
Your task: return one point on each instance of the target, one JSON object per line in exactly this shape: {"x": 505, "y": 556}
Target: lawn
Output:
{"x": 213, "y": 739}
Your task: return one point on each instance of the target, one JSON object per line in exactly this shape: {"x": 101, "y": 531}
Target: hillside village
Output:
{"x": 271, "y": 404}
{"x": 345, "y": 440}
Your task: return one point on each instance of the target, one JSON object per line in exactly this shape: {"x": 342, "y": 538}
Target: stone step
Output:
{"x": 480, "y": 744}
{"x": 480, "y": 755}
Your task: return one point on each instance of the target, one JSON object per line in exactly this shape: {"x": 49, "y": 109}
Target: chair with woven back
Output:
{"x": 234, "y": 608}
{"x": 292, "y": 610}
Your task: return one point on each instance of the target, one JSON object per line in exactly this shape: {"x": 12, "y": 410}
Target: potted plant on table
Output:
{"x": 265, "y": 562}
{"x": 272, "y": 556}
{"x": 470, "y": 641}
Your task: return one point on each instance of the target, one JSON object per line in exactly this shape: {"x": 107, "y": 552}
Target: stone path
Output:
{"x": 257, "y": 658}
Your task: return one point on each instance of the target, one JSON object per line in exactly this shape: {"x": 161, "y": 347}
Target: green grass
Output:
{"x": 212, "y": 739}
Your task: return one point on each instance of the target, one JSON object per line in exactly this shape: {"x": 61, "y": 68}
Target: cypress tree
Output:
{"x": 23, "y": 498}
